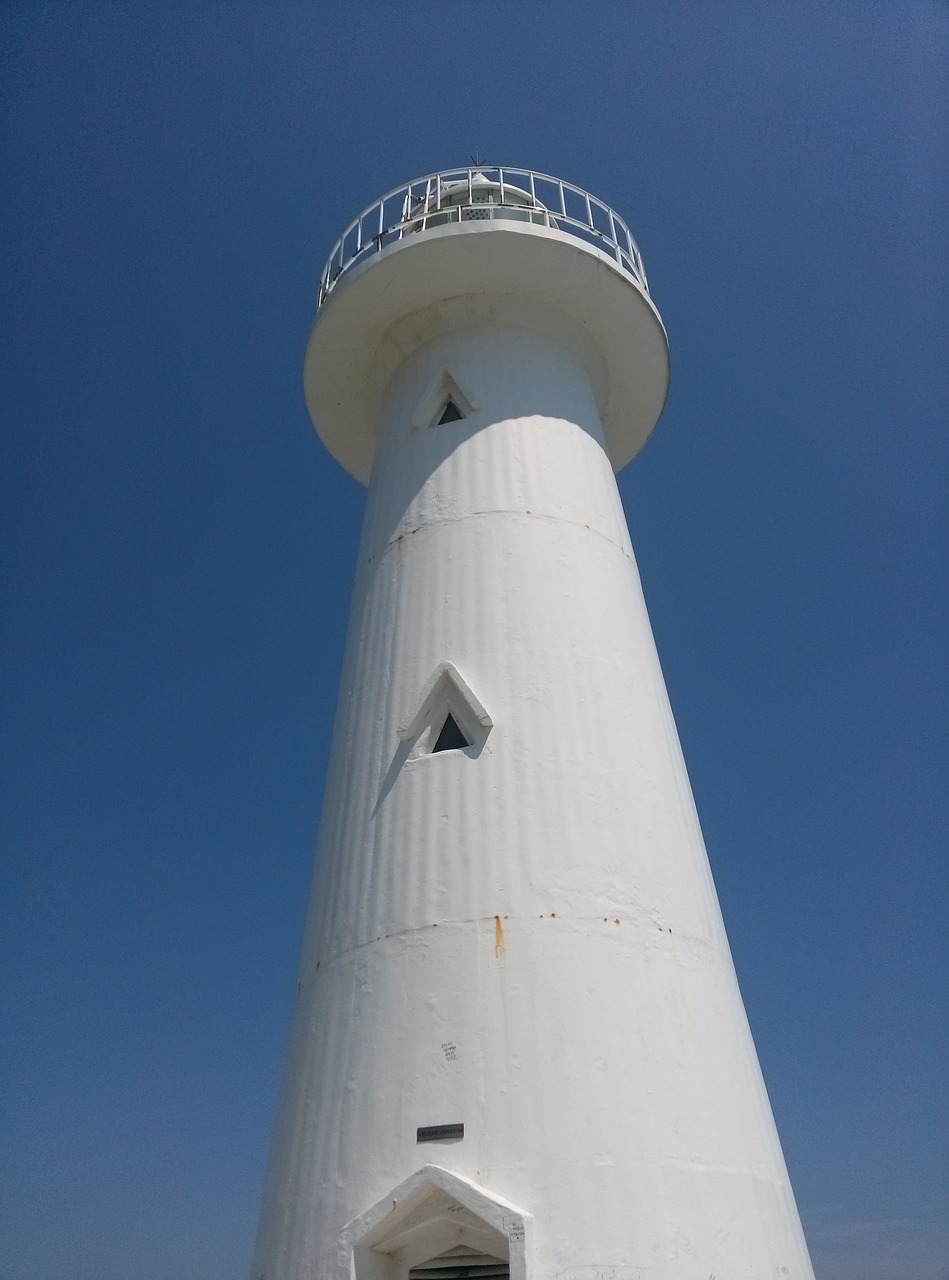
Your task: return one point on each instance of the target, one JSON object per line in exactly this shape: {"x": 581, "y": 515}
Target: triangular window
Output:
{"x": 446, "y": 400}
{"x": 451, "y": 737}
{"x": 450, "y": 413}
{"x": 448, "y": 716}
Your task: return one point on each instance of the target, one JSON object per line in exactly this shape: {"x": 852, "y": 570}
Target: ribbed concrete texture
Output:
{"x": 519, "y": 936}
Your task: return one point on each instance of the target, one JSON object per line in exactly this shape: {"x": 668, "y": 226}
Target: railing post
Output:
{"x": 615, "y": 238}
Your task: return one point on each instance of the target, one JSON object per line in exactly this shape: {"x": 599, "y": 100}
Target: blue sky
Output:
{"x": 177, "y": 553}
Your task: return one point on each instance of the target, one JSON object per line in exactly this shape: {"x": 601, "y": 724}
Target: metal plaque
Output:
{"x": 439, "y": 1132}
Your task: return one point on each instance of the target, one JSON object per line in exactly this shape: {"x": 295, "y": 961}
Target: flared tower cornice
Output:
{"x": 469, "y": 246}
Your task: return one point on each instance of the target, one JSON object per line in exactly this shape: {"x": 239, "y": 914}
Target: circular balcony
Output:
{"x": 477, "y": 195}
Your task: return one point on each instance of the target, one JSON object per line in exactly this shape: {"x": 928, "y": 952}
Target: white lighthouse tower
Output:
{"x": 519, "y": 1048}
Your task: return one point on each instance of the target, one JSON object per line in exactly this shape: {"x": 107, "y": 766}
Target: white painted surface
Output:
{"x": 523, "y": 936}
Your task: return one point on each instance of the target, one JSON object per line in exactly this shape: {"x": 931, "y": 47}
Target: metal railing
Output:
{"x": 488, "y": 192}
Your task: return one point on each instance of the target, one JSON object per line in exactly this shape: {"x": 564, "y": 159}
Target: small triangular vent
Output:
{"x": 461, "y": 1264}
{"x": 451, "y": 737}
{"x": 450, "y": 413}
{"x": 446, "y": 400}
{"x": 448, "y": 717}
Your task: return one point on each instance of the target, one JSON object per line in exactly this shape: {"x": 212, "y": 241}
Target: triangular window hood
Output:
{"x": 449, "y": 717}
{"x": 445, "y": 401}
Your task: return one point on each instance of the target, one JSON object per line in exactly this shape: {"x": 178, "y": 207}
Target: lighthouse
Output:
{"x": 519, "y": 1048}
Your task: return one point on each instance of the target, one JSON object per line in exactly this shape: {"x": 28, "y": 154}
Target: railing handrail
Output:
{"x": 414, "y": 205}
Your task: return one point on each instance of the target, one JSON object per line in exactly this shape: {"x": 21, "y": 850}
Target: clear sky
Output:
{"x": 178, "y": 551}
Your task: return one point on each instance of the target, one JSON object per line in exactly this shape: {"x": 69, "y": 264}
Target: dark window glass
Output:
{"x": 451, "y": 737}
{"x": 450, "y": 413}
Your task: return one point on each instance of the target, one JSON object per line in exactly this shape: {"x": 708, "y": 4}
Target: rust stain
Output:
{"x": 400, "y": 541}
{"x": 498, "y": 938}
{"x": 616, "y": 922}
